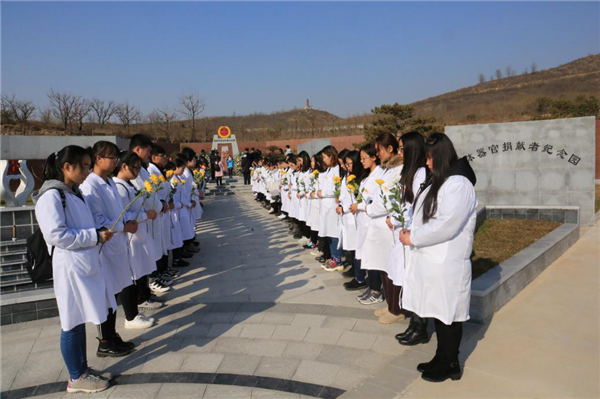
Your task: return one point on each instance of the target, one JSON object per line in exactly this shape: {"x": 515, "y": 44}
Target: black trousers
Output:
{"x": 324, "y": 247}
{"x": 314, "y": 237}
{"x": 392, "y": 294}
{"x": 143, "y": 289}
{"x": 162, "y": 264}
{"x": 129, "y": 300}
{"x": 374, "y": 280}
{"x": 247, "y": 178}
{"x": 448, "y": 338}
{"x": 108, "y": 328}
{"x": 231, "y": 172}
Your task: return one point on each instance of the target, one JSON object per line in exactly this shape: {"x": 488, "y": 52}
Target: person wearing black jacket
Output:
{"x": 213, "y": 159}
{"x": 246, "y": 164}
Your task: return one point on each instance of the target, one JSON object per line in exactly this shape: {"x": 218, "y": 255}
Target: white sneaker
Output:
{"x": 282, "y": 216}
{"x": 149, "y": 318}
{"x": 151, "y": 305}
{"x": 166, "y": 283}
{"x": 316, "y": 252}
{"x": 140, "y": 322}
{"x": 157, "y": 287}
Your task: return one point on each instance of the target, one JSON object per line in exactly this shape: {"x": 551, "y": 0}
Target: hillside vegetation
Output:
{"x": 516, "y": 98}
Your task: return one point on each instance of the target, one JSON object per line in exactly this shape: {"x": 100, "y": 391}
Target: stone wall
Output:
{"x": 539, "y": 163}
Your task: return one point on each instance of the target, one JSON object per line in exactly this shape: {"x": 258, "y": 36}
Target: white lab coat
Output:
{"x": 350, "y": 222}
{"x": 304, "y": 179}
{"x": 165, "y": 223}
{"x": 141, "y": 256}
{"x": 379, "y": 241}
{"x": 186, "y": 218}
{"x": 314, "y": 204}
{"x": 294, "y": 203}
{"x": 154, "y": 226}
{"x": 399, "y": 252}
{"x": 368, "y": 189}
{"x": 103, "y": 199}
{"x": 175, "y": 215}
{"x": 329, "y": 224}
{"x": 438, "y": 277}
{"x": 79, "y": 285}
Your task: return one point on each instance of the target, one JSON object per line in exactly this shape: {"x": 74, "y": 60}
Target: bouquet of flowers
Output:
{"x": 199, "y": 177}
{"x": 394, "y": 202}
{"x": 354, "y": 189}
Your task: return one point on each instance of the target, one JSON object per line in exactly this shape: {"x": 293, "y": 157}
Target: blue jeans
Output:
{"x": 359, "y": 274}
{"x": 335, "y": 253}
{"x": 73, "y": 349}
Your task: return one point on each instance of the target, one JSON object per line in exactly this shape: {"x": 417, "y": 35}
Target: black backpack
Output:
{"x": 217, "y": 167}
{"x": 39, "y": 261}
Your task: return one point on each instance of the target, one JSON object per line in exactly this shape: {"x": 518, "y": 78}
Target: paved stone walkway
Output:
{"x": 253, "y": 310}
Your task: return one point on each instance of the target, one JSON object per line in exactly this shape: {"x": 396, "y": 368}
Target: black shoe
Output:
{"x": 423, "y": 367}
{"x": 191, "y": 249}
{"x": 354, "y": 285}
{"x": 298, "y": 236}
{"x": 417, "y": 336}
{"x": 111, "y": 349}
{"x": 196, "y": 243}
{"x": 442, "y": 371}
{"x": 411, "y": 326}
{"x": 127, "y": 344}
{"x": 346, "y": 263}
{"x": 320, "y": 259}
{"x": 180, "y": 263}
{"x": 349, "y": 273}
{"x": 186, "y": 255}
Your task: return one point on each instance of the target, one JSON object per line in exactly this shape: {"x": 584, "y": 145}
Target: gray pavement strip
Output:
{"x": 275, "y": 384}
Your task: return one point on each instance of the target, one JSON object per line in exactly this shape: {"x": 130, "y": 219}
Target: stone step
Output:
{"x": 17, "y": 265}
{"x": 6, "y": 257}
{"x": 14, "y": 277}
{"x": 11, "y": 246}
{"x": 23, "y": 285}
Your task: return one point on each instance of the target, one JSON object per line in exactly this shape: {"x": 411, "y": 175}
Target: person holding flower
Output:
{"x": 317, "y": 167}
{"x": 189, "y": 236}
{"x": 379, "y": 241}
{"x": 329, "y": 222}
{"x": 102, "y": 196}
{"x": 368, "y": 190}
{"x": 141, "y": 257}
{"x": 81, "y": 290}
{"x": 303, "y": 162}
{"x": 178, "y": 221}
{"x": 437, "y": 282}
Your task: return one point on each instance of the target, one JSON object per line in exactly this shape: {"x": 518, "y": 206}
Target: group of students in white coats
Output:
{"x": 402, "y": 213}
{"x": 108, "y": 243}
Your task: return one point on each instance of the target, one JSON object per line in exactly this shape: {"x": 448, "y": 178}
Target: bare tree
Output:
{"x": 163, "y": 119}
{"x": 525, "y": 71}
{"x": 533, "y": 67}
{"x": 193, "y": 106}
{"x": 509, "y": 71}
{"x": 62, "y": 106}
{"x": 21, "y": 110}
{"x": 127, "y": 115}
{"x": 81, "y": 109}
{"x": 46, "y": 117}
{"x": 481, "y": 78}
{"x": 102, "y": 111}
{"x": 498, "y": 74}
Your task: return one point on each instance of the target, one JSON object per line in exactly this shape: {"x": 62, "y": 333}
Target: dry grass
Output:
{"x": 497, "y": 240}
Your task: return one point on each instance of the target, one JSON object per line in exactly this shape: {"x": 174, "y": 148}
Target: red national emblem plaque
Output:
{"x": 224, "y": 132}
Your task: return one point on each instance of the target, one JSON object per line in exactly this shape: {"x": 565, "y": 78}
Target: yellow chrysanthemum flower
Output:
{"x": 337, "y": 179}
{"x": 154, "y": 179}
{"x": 169, "y": 174}
{"x": 350, "y": 178}
{"x": 162, "y": 179}
{"x": 350, "y": 187}
{"x": 182, "y": 181}
{"x": 315, "y": 172}
{"x": 379, "y": 181}
{"x": 148, "y": 187}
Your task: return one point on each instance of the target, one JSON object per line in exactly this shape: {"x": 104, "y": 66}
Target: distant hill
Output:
{"x": 504, "y": 100}
{"x": 508, "y": 99}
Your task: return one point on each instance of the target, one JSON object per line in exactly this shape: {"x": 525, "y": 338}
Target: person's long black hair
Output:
{"x": 341, "y": 159}
{"x": 103, "y": 149}
{"x": 371, "y": 151}
{"x": 305, "y": 160}
{"x": 414, "y": 159}
{"x": 71, "y": 154}
{"x": 439, "y": 147}
{"x": 332, "y": 153}
{"x": 129, "y": 158}
{"x": 319, "y": 164}
{"x": 188, "y": 154}
{"x": 386, "y": 140}
{"x": 357, "y": 168}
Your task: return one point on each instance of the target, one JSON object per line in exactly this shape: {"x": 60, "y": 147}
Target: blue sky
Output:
{"x": 347, "y": 57}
